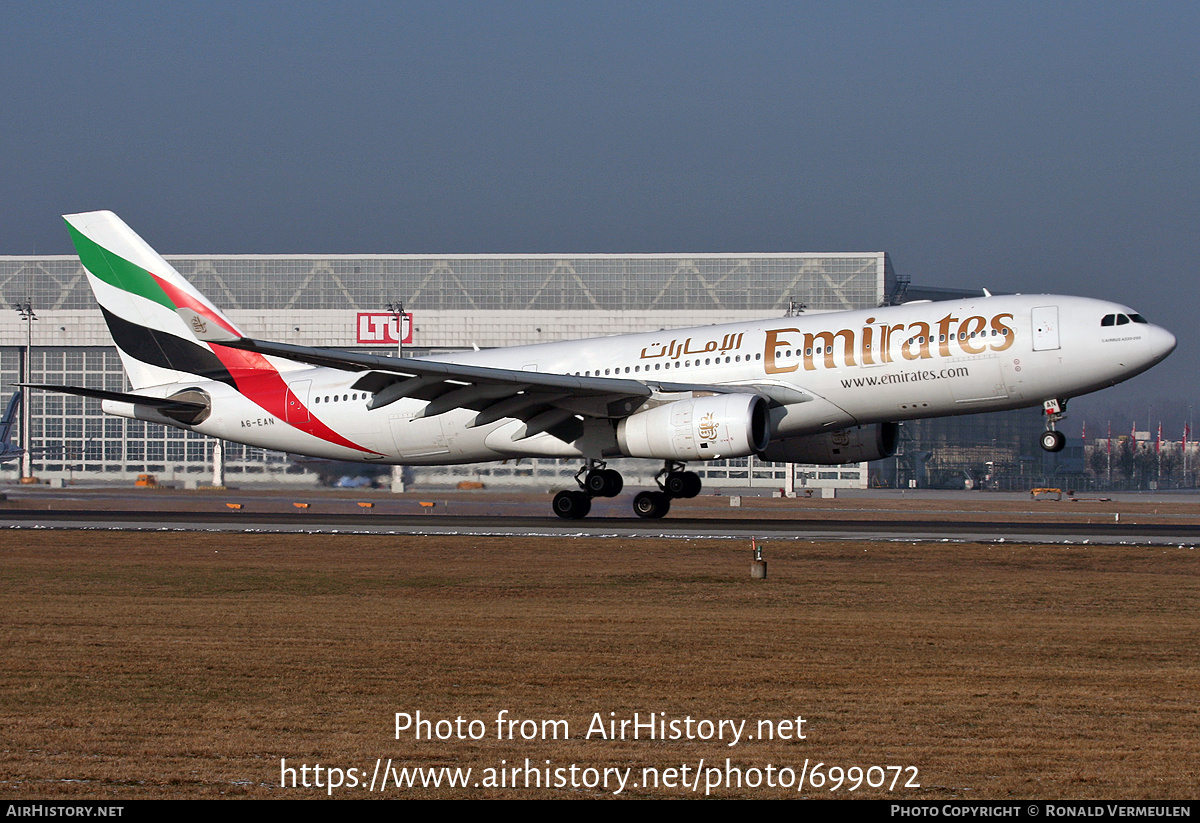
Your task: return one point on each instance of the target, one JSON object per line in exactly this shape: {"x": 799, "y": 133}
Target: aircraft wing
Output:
{"x": 434, "y": 376}
{"x": 546, "y": 402}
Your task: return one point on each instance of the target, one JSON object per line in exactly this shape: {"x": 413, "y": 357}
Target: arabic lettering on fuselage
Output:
{"x": 674, "y": 349}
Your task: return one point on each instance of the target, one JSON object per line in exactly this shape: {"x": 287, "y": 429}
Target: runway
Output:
{"x": 971, "y": 530}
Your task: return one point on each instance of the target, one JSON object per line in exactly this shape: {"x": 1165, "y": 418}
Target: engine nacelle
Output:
{"x": 703, "y": 428}
{"x": 853, "y": 445}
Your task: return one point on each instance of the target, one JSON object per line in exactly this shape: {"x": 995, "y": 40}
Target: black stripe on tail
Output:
{"x": 158, "y": 348}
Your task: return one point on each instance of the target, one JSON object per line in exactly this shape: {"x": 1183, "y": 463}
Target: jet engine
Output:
{"x": 702, "y": 428}
{"x": 852, "y": 445}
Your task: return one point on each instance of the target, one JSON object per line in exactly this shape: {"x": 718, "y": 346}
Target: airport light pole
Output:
{"x": 26, "y": 311}
{"x": 396, "y": 307}
{"x": 397, "y": 310}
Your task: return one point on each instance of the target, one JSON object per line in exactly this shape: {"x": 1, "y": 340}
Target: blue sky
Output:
{"x": 1019, "y": 146}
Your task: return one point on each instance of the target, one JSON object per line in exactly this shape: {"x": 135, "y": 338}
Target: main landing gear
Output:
{"x": 597, "y": 481}
{"x": 1052, "y": 440}
{"x": 594, "y": 481}
{"x": 673, "y": 483}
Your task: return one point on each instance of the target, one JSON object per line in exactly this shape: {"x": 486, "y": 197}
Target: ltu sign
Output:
{"x": 379, "y": 328}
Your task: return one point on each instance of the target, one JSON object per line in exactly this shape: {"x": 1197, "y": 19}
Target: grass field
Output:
{"x": 188, "y": 665}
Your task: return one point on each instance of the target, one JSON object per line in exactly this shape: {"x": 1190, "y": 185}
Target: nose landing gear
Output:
{"x": 1052, "y": 440}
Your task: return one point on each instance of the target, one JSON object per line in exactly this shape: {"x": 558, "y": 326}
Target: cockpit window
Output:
{"x": 1121, "y": 319}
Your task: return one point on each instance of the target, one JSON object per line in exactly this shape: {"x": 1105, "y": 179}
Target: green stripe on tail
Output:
{"x": 117, "y": 271}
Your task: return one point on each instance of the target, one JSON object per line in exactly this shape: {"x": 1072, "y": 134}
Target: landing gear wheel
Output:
{"x": 651, "y": 504}
{"x": 1053, "y": 441}
{"x": 615, "y": 482}
{"x": 682, "y": 484}
{"x": 603, "y": 483}
{"x": 572, "y": 505}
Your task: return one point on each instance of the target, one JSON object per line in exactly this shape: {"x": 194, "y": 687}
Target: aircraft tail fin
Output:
{"x": 140, "y": 295}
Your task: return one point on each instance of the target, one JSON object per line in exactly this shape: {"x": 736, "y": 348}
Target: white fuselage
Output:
{"x": 822, "y": 372}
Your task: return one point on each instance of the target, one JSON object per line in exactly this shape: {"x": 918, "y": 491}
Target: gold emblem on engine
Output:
{"x": 708, "y": 427}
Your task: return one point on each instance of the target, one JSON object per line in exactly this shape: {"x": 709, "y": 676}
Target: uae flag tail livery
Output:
{"x": 157, "y": 320}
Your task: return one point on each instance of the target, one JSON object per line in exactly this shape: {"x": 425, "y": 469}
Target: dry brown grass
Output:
{"x": 187, "y": 665}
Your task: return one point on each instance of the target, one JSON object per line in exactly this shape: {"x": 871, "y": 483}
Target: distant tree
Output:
{"x": 1145, "y": 464}
{"x": 1172, "y": 462}
{"x": 1125, "y": 459}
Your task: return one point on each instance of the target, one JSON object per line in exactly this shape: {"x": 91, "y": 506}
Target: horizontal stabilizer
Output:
{"x": 160, "y": 403}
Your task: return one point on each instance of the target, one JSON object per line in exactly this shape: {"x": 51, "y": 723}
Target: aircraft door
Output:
{"x": 297, "y": 401}
{"x": 1045, "y": 328}
{"x": 422, "y": 437}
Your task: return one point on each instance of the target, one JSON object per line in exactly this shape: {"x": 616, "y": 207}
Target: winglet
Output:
{"x": 204, "y": 329}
